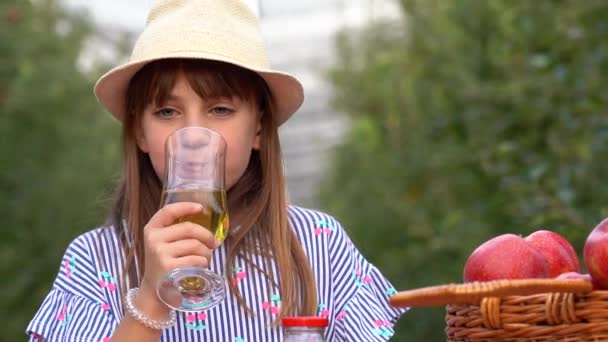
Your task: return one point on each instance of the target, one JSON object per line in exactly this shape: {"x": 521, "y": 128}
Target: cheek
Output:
{"x": 157, "y": 157}
{"x": 155, "y": 137}
{"x": 237, "y": 159}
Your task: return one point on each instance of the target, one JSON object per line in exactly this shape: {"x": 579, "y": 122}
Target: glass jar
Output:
{"x": 304, "y": 329}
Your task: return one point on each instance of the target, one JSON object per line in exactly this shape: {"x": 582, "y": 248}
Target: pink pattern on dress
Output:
{"x": 323, "y": 226}
{"x": 107, "y": 281}
{"x": 64, "y": 316}
{"x": 274, "y": 306}
{"x": 341, "y": 315}
{"x": 361, "y": 280}
{"x": 196, "y": 321}
{"x": 322, "y": 310}
{"x": 238, "y": 274}
{"x": 383, "y": 328}
{"x": 69, "y": 266}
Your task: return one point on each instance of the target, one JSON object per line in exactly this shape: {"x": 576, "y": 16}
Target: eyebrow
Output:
{"x": 173, "y": 97}
{"x": 162, "y": 100}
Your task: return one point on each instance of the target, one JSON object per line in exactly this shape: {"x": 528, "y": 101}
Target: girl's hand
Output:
{"x": 169, "y": 246}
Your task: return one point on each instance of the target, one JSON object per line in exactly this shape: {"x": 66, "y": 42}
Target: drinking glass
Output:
{"x": 194, "y": 172}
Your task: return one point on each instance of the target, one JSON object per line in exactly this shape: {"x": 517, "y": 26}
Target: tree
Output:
{"x": 469, "y": 119}
{"x": 58, "y": 154}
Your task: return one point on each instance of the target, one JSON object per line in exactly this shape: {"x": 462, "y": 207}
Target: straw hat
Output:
{"x": 219, "y": 30}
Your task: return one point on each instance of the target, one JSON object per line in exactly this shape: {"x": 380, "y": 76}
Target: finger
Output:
{"x": 187, "y": 247}
{"x": 170, "y": 213}
{"x": 190, "y": 261}
{"x": 189, "y": 230}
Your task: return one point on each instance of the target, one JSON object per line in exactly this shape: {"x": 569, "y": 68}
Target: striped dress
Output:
{"x": 85, "y": 303}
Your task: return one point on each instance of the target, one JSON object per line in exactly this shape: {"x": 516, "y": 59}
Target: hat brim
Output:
{"x": 111, "y": 88}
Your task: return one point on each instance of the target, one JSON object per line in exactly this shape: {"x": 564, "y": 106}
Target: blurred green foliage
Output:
{"x": 58, "y": 153}
{"x": 470, "y": 119}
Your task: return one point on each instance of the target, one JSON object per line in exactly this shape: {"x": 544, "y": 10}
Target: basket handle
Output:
{"x": 474, "y": 292}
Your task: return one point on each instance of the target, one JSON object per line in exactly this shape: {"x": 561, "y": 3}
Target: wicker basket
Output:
{"x": 517, "y": 310}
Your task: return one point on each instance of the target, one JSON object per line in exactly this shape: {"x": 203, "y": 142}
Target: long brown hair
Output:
{"x": 257, "y": 202}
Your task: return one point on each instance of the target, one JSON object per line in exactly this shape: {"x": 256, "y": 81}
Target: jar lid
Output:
{"x": 305, "y": 321}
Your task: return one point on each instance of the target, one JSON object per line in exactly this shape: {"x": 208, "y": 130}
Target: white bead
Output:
{"x": 141, "y": 318}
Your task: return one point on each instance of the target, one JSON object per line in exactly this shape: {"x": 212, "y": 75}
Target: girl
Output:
{"x": 202, "y": 63}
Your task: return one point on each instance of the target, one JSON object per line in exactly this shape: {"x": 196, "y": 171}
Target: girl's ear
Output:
{"x": 258, "y": 135}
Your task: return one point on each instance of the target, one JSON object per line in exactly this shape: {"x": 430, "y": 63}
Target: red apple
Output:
{"x": 576, "y": 275}
{"x": 506, "y": 256}
{"x": 596, "y": 254}
{"x": 559, "y": 253}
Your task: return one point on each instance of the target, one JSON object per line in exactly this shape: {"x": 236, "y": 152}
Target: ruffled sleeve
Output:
{"x": 77, "y": 307}
{"x": 362, "y": 311}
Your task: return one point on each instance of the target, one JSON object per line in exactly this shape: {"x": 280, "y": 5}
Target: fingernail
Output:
{"x": 198, "y": 206}
{"x": 217, "y": 243}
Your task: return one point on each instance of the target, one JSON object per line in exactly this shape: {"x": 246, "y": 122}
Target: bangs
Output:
{"x": 209, "y": 79}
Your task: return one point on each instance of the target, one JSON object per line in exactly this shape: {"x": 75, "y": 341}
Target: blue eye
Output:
{"x": 165, "y": 113}
{"x": 221, "y": 111}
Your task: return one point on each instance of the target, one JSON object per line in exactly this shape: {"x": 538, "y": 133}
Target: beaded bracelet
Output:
{"x": 141, "y": 318}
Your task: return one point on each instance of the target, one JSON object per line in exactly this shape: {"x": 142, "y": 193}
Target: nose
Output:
{"x": 194, "y": 137}
{"x": 195, "y": 117}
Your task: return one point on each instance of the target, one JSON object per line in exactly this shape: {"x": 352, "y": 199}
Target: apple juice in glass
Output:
{"x": 194, "y": 172}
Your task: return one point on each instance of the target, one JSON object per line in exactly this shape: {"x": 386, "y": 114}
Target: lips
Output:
{"x": 192, "y": 167}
